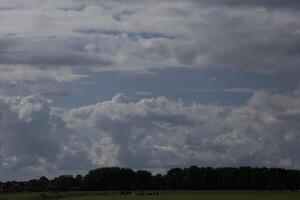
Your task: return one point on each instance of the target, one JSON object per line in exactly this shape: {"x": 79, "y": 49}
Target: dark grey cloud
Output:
{"x": 49, "y": 52}
{"x": 232, "y": 34}
{"x": 34, "y": 141}
{"x": 82, "y": 37}
{"x": 278, "y": 4}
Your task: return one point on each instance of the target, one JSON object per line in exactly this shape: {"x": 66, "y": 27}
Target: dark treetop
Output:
{"x": 193, "y": 178}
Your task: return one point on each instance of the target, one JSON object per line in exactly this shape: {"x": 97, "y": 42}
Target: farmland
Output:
{"x": 179, "y": 195}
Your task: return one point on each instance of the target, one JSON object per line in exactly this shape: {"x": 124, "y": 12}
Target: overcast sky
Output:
{"x": 148, "y": 84}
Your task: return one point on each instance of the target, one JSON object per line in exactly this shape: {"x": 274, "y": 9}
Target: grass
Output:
{"x": 182, "y": 195}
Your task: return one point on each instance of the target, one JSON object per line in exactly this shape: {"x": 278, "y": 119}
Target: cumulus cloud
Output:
{"x": 160, "y": 133}
{"x": 153, "y": 133}
{"x": 33, "y": 141}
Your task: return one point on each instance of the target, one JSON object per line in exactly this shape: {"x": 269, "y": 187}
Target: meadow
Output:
{"x": 179, "y": 195}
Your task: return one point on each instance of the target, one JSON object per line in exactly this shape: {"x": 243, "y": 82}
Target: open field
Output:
{"x": 209, "y": 195}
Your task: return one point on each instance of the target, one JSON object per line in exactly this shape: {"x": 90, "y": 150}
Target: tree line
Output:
{"x": 192, "y": 178}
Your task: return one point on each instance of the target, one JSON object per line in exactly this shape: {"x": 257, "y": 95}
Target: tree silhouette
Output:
{"x": 193, "y": 178}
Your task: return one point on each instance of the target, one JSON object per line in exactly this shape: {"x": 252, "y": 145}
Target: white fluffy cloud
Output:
{"x": 153, "y": 133}
{"x": 160, "y": 133}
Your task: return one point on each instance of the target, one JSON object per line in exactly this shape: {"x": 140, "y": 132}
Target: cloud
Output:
{"x": 53, "y": 52}
{"x": 35, "y": 142}
{"x": 259, "y": 36}
{"x": 160, "y": 133}
{"x": 45, "y": 46}
{"x": 29, "y": 79}
{"x": 227, "y": 90}
{"x": 153, "y": 133}
{"x": 269, "y": 4}
{"x": 144, "y": 93}
{"x": 26, "y": 132}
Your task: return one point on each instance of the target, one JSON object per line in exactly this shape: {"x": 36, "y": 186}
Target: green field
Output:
{"x": 201, "y": 195}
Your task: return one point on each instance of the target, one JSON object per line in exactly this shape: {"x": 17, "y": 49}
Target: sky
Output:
{"x": 151, "y": 84}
